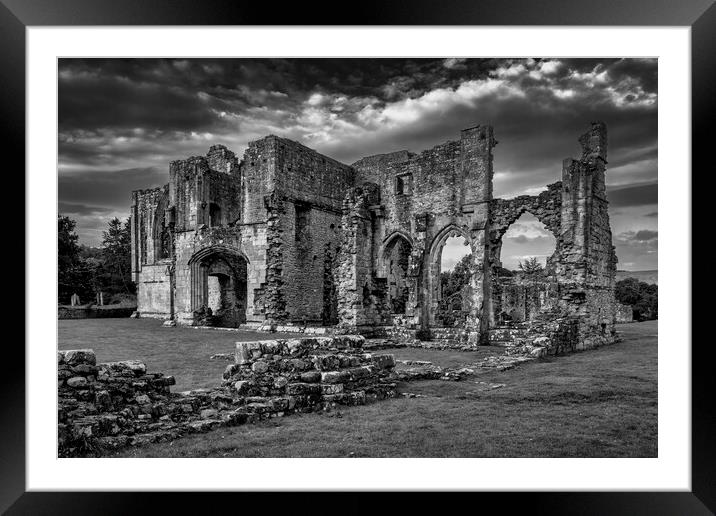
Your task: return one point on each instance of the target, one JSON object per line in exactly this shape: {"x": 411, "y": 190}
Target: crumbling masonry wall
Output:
{"x": 315, "y": 242}
{"x": 115, "y": 404}
{"x": 423, "y": 198}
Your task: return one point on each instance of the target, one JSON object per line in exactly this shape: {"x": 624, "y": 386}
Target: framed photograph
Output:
{"x": 418, "y": 252}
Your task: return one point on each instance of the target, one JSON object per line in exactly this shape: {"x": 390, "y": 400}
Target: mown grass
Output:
{"x": 599, "y": 403}
{"x": 182, "y": 352}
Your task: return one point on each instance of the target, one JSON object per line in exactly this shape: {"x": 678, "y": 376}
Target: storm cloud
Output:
{"x": 122, "y": 120}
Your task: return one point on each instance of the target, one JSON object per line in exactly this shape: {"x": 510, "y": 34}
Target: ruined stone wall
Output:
{"x": 547, "y": 208}
{"x": 153, "y": 295}
{"x": 311, "y": 187}
{"x": 515, "y": 300}
{"x": 587, "y": 265}
{"x": 304, "y": 175}
{"x": 149, "y": 267}
{"x": 200, "y": 207}
{"x": 361, "y": 299}
{"x": 143, "y": 213}
{"x": 318, "y": 237}
{"x": 297, "y": 192}
{"x": 428, "y": 196}
{"x": 194, "y": 186}
{"x": 309, "y": 233}
{"x": 583, "y": 265}
{"x": 258, "y": 169}
{"x": 111, "y": 405}
{"x": 188, "y": 245}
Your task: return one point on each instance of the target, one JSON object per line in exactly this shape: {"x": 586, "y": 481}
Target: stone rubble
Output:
{"x": 111, "y": 405}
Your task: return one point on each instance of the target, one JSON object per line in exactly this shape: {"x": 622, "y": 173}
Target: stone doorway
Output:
{"x": 396, "y": 259}
{"x": 449, "y": 296}
{"x": 219, "y": 290}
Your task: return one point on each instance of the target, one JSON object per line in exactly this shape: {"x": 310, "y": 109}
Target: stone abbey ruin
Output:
{"x": 288, "y": 239}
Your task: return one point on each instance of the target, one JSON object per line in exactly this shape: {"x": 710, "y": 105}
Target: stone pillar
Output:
{"x": 477, "y": 173}
{"x": 355, "y": 262}
{"x": 588, "y": 262}
{"x": 274, "y": 300}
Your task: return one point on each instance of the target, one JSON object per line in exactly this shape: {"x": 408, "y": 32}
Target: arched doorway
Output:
{"x": 218, "y": 287}
{"x": 396, "y": 259}
{"x": 454, "y": 281}
{"x": 524, "y": 283}
{"x": 449, "y": 278}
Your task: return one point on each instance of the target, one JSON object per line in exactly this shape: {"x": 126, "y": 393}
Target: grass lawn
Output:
{"x": 185, "y": 352}
{"x": 599, "y": 403}
{"x": 182, "y": 352}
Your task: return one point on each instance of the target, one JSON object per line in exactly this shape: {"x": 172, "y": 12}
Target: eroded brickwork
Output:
{"x": 308, "y": 241}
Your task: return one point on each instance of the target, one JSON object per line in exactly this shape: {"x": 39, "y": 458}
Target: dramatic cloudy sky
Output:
{"x": 122, "y": 120}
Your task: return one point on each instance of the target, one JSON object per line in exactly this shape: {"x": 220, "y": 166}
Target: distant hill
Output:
{"x": 651, "y": 277}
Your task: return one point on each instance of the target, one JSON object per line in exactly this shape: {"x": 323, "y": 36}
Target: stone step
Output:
{"x": 439, "y": 344}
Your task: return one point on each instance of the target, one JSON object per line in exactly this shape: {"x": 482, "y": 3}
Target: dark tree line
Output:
{"x": 85, "y": 271}
{"x": 642, "y": 297}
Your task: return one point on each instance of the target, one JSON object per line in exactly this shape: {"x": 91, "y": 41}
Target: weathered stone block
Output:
{"x": 336, "y": 376}
{"x": 79, "y": 356}
{"x": 385, "y": 361}
{"x": 260, "y": 367}
{"x": 77, "y": 382}
{"x": 303, "y": 388}
{"x": 334, "y": 388}
{"x": 127, "y": 368}
{"x": 245, "y": 351}
{"x": 311, "y": 377}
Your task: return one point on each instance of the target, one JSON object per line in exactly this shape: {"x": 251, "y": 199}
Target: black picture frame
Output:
{"x": 700, "y": 15}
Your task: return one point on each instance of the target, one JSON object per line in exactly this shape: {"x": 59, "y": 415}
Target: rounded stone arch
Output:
{"x": 432, "y": 279}
{"x": 507, "y": 212}
{"x": 511, "y": 301}
{"x": 205, "y": 252}
{"x": 219, "y": 281}
{"x": 516, "y": 212}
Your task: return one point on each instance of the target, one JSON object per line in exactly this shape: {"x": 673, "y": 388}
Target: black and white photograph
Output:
{"x": 283, "y": 255}
{"x": 357, "y": 257}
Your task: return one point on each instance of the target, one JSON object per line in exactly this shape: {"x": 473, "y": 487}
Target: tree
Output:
{"x": 67, "y": 248}
{"x": 116, "y": 254}
{"x": 67, "y": 259}
{"x": 455, "y": 280}
{"x": 641, "y": 296}
{"x": 530, "y": 266}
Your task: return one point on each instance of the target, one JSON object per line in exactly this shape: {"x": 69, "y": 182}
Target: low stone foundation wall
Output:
{"x": 310, "y": 371}
{"x": 111, "y": 405}
{"x": 94, "y": 312}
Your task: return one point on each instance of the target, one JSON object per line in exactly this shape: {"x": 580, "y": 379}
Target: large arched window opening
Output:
{"x": 523, "y": 283}
{"x": 527, "y": 246}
